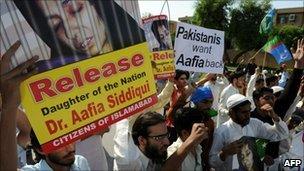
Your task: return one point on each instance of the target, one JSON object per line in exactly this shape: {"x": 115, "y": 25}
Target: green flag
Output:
{"x": 267, "y": 22}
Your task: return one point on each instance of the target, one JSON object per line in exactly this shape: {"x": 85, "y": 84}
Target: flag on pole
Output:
{"x": 278, "y": 50}
{"x": 267, "y": 22}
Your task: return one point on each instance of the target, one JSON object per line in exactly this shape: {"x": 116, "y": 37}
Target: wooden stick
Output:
{"x": 256, "y": 53}
{"x": 264, "y": 60}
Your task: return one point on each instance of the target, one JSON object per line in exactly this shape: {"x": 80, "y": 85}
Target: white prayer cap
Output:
{"x": 277, "y": 89}
{"x": 264, "y": 72}
{"x": 235, "y": 100}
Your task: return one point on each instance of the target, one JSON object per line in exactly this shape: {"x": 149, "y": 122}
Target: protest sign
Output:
{"x": 198, "y": 49}
{"x": 63, "y": 32}
{"x": 74, "y": 101}
{"x": 94, "y": 68}
{"x": 160, "y": 45}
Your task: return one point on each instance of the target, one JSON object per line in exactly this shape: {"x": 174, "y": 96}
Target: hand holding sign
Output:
{"x": 10, "y": 80}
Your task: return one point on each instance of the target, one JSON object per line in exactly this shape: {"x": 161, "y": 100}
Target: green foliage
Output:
{"x": 211, "y": 14}
{"x": 244, "y": 24}
{"x": 289, "y": 34}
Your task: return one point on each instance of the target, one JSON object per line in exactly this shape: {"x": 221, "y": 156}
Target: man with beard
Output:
{"x": 237, "y": 86}
{"x": 61, "y": 159}
{"x": 227, "y": 143}
{"x": 150, "y": 134}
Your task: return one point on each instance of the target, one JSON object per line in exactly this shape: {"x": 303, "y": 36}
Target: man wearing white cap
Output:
{"x": 226, "y": 141}
{"x": 236, "y": 86}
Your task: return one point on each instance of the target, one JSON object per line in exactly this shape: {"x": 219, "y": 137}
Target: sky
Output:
{"x": 186, "y": 8}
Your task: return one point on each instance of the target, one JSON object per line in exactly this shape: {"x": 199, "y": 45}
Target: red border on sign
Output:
{"x": 49, "y": 146}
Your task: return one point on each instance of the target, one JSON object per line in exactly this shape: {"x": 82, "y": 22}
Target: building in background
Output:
{"x": 185, "y": 19}
{"x": 293, "y": 16}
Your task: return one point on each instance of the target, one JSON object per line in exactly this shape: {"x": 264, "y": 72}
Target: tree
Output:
{"x": 212, "y": 13}
{"x": 244, "y": 25}
{"x": 289, "y": 34}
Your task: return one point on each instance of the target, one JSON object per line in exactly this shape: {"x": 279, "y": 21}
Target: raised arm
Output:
{"x": 10, "y": 95}
{"x": 289, "y": 94}
{"x": 198, "y": 133}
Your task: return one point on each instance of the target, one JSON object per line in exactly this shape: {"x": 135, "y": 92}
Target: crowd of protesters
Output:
{"x": 196, "y": 125}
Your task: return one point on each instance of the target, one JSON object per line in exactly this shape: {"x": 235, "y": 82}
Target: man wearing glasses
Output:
{"x": 150, "y": 135}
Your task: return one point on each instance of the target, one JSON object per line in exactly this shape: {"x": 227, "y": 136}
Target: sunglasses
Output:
{"x": 159, "y": 137}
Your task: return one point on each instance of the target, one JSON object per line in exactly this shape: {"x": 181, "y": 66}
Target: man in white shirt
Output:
{"x": 237, "y": 85}
{"x": 150, "y": 135}
{"x": 61, "y": 159}
{"x": 226, "y": 141}
{"x": 184, "y": 120}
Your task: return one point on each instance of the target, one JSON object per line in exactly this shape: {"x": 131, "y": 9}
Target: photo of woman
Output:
{"x": 76, "y": 30}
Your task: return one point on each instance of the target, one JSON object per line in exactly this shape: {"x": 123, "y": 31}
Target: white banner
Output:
{"x": 199, "y": 49}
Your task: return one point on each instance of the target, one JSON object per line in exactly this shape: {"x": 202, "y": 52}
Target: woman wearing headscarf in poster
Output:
{"x": 161, "y": 33}
{"x": 75, "y": 30}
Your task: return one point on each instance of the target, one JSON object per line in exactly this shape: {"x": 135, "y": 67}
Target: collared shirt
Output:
{"x": 223, "y": 111}
{"x": 191, "y": 162}
{"x": 80, "y": 164}
{"x": 231, "y": 131}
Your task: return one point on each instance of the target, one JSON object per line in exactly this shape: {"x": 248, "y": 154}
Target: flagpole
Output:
{"x": 264, "y": 60}
{"x": 256, "y": 53}
{"x": 249, "y": 58}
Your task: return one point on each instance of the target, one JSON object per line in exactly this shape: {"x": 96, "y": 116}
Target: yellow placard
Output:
{"x": 77, "y": 100}
{"x": 163, "y": 64}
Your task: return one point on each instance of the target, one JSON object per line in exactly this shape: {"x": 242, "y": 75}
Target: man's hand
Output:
{"x": 230, "y": 149}
{"x": 198, "y": 133}
{"x": 269, "y": 110}
{"x": 11, "y": 79}
{"x": 268, "y": 160}
{"x": 298, "y": 54}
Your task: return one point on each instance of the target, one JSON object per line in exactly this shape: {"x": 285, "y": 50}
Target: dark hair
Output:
{"x": 237, "y": 107}
{"x": 184, "y": 118}
{"x": 236, "y": 74}
{"x": 259, "y": 93}
{"x": 259, "y": 81}
{"x": 154, "y": 27}
{"x": 134, "y": 34}
{"x": 35, "y": 144}
{"x": 297, "y": 116}
{"x": 179, "y": 73}
{"x": 271, "y": 79}
{"x": 143, "y": 122}
{"x": 277, "y": 94}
